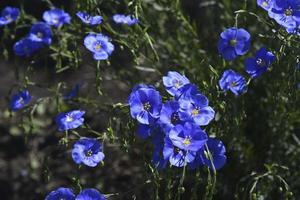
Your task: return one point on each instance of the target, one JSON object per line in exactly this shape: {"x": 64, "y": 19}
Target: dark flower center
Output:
{"x": 89, "y": 153}
{"x": 174, "y": 118}
{"x": 40, "y": 35}
{"x": 288, "y": 12}
{"x": 233, "y": 84}
{"x": 176, "y": 150}
{"x": 232, "y": 42}
{"x": 147, "y": 106}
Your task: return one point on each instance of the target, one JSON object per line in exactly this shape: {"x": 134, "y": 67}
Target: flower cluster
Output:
{"x": 234, "y": 42}
{"x": 174, "y": 127}
{"x": 284, "y": 12}
{"x": 68, "y": 194}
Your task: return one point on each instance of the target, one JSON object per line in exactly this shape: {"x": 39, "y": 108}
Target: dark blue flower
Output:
{"x": 73, "y": 93}
{"x": 233, "y": 81}
{"x": 287, "y": 13}
{"x": 176, "y": 156}
{"x": 41, "y": 32}
{"x": 61, "y": 193}
{"x": 169, "y": 115}
{"x": 173, "y": 82}
{"x": 20, "y": 100}
{"x": 145, "y": 104}
{"x": 9, "y": 15}
{"x": 56, "y": 17}
{"x": 90, "y": 194}
{"x": 265, "y": 4}
{"x": 217, "y": 150}
{"x": 88, "y": 19}
{"x": 87, "y": 151}
{"x": 233, "y": 42}
{"x": 125, "y": 19}
{"x": 70, "y": 120}
{"x": 195, "y": 108}
{"x": 99, "y": 45}
{"x": 26, "y": 47}
{"x": 259, "y": 64}
{"x": 188, "y": 137}
{"x": 144, "y": 130}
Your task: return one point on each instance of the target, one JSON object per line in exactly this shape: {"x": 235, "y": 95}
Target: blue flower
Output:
{"x": 9, "y": 15}
{"x": 99, "y": 45}
{"x": 260, "y": 63}
{"x": 287, "y": 13}
{"x": 265, "y": 4}
{"x": 88, "y": 19}
{"x": 188, "y": 137}
{"x": 187, "y": 91}
{"x": 26, "y": 47}
{"x": 233, "y": 42}
{"x": 169, "y": 115}
{"x": 144, "y": 130}
{"x": 217, "y": 151}
{"x": 20, "y": 100}
{"x": 195, "y": 108}
{"x": 123, "y": 19}
{"x": 87, "y": 151}
{"x": 61, "y": 193}
{"x": 173, "y": 82}
{"x": 41, "y": 32}
{"x": 176, "y": 156}
{"x": 56, "y": 17}
{"x": 70, "y": 120}
{"x": 145, "y": 104}
{"x": 90, "y": 194}
{"x": 233, "y": 81}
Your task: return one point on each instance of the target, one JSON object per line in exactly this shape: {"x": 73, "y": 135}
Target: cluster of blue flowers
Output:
{"x": 174, "y": 127}
{"x": 41, "y": 34}
{"x": 284, "y": 12}
{"x": 236, "y": 42}
{"x": 68, "y": 194}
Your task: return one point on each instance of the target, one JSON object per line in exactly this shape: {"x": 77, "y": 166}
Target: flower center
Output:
{"x": 174, "y": 118}
{"x": 8, "y": 18}
{"x": 89, "y": 153}
{"x": 233, "y": 84}
{"x": 40, "y": 35}
{"x": 178, "y": 84}
{"x": 195, "y": 111}
{"x": 265, "y": 4}
{"x": 55, "y": 21}
{"x": 176, "y": 150}
{"x": 187, "y": 141}
{"x": 147, "y": 106}
{"x": 232, "y": 42}
{"x": 69, "y": 118}
{"x": 260, "y": 62}
{"x": 98, "y": 47}
{"x": 21, "y": 100}
{"x": 288, "y": 12}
